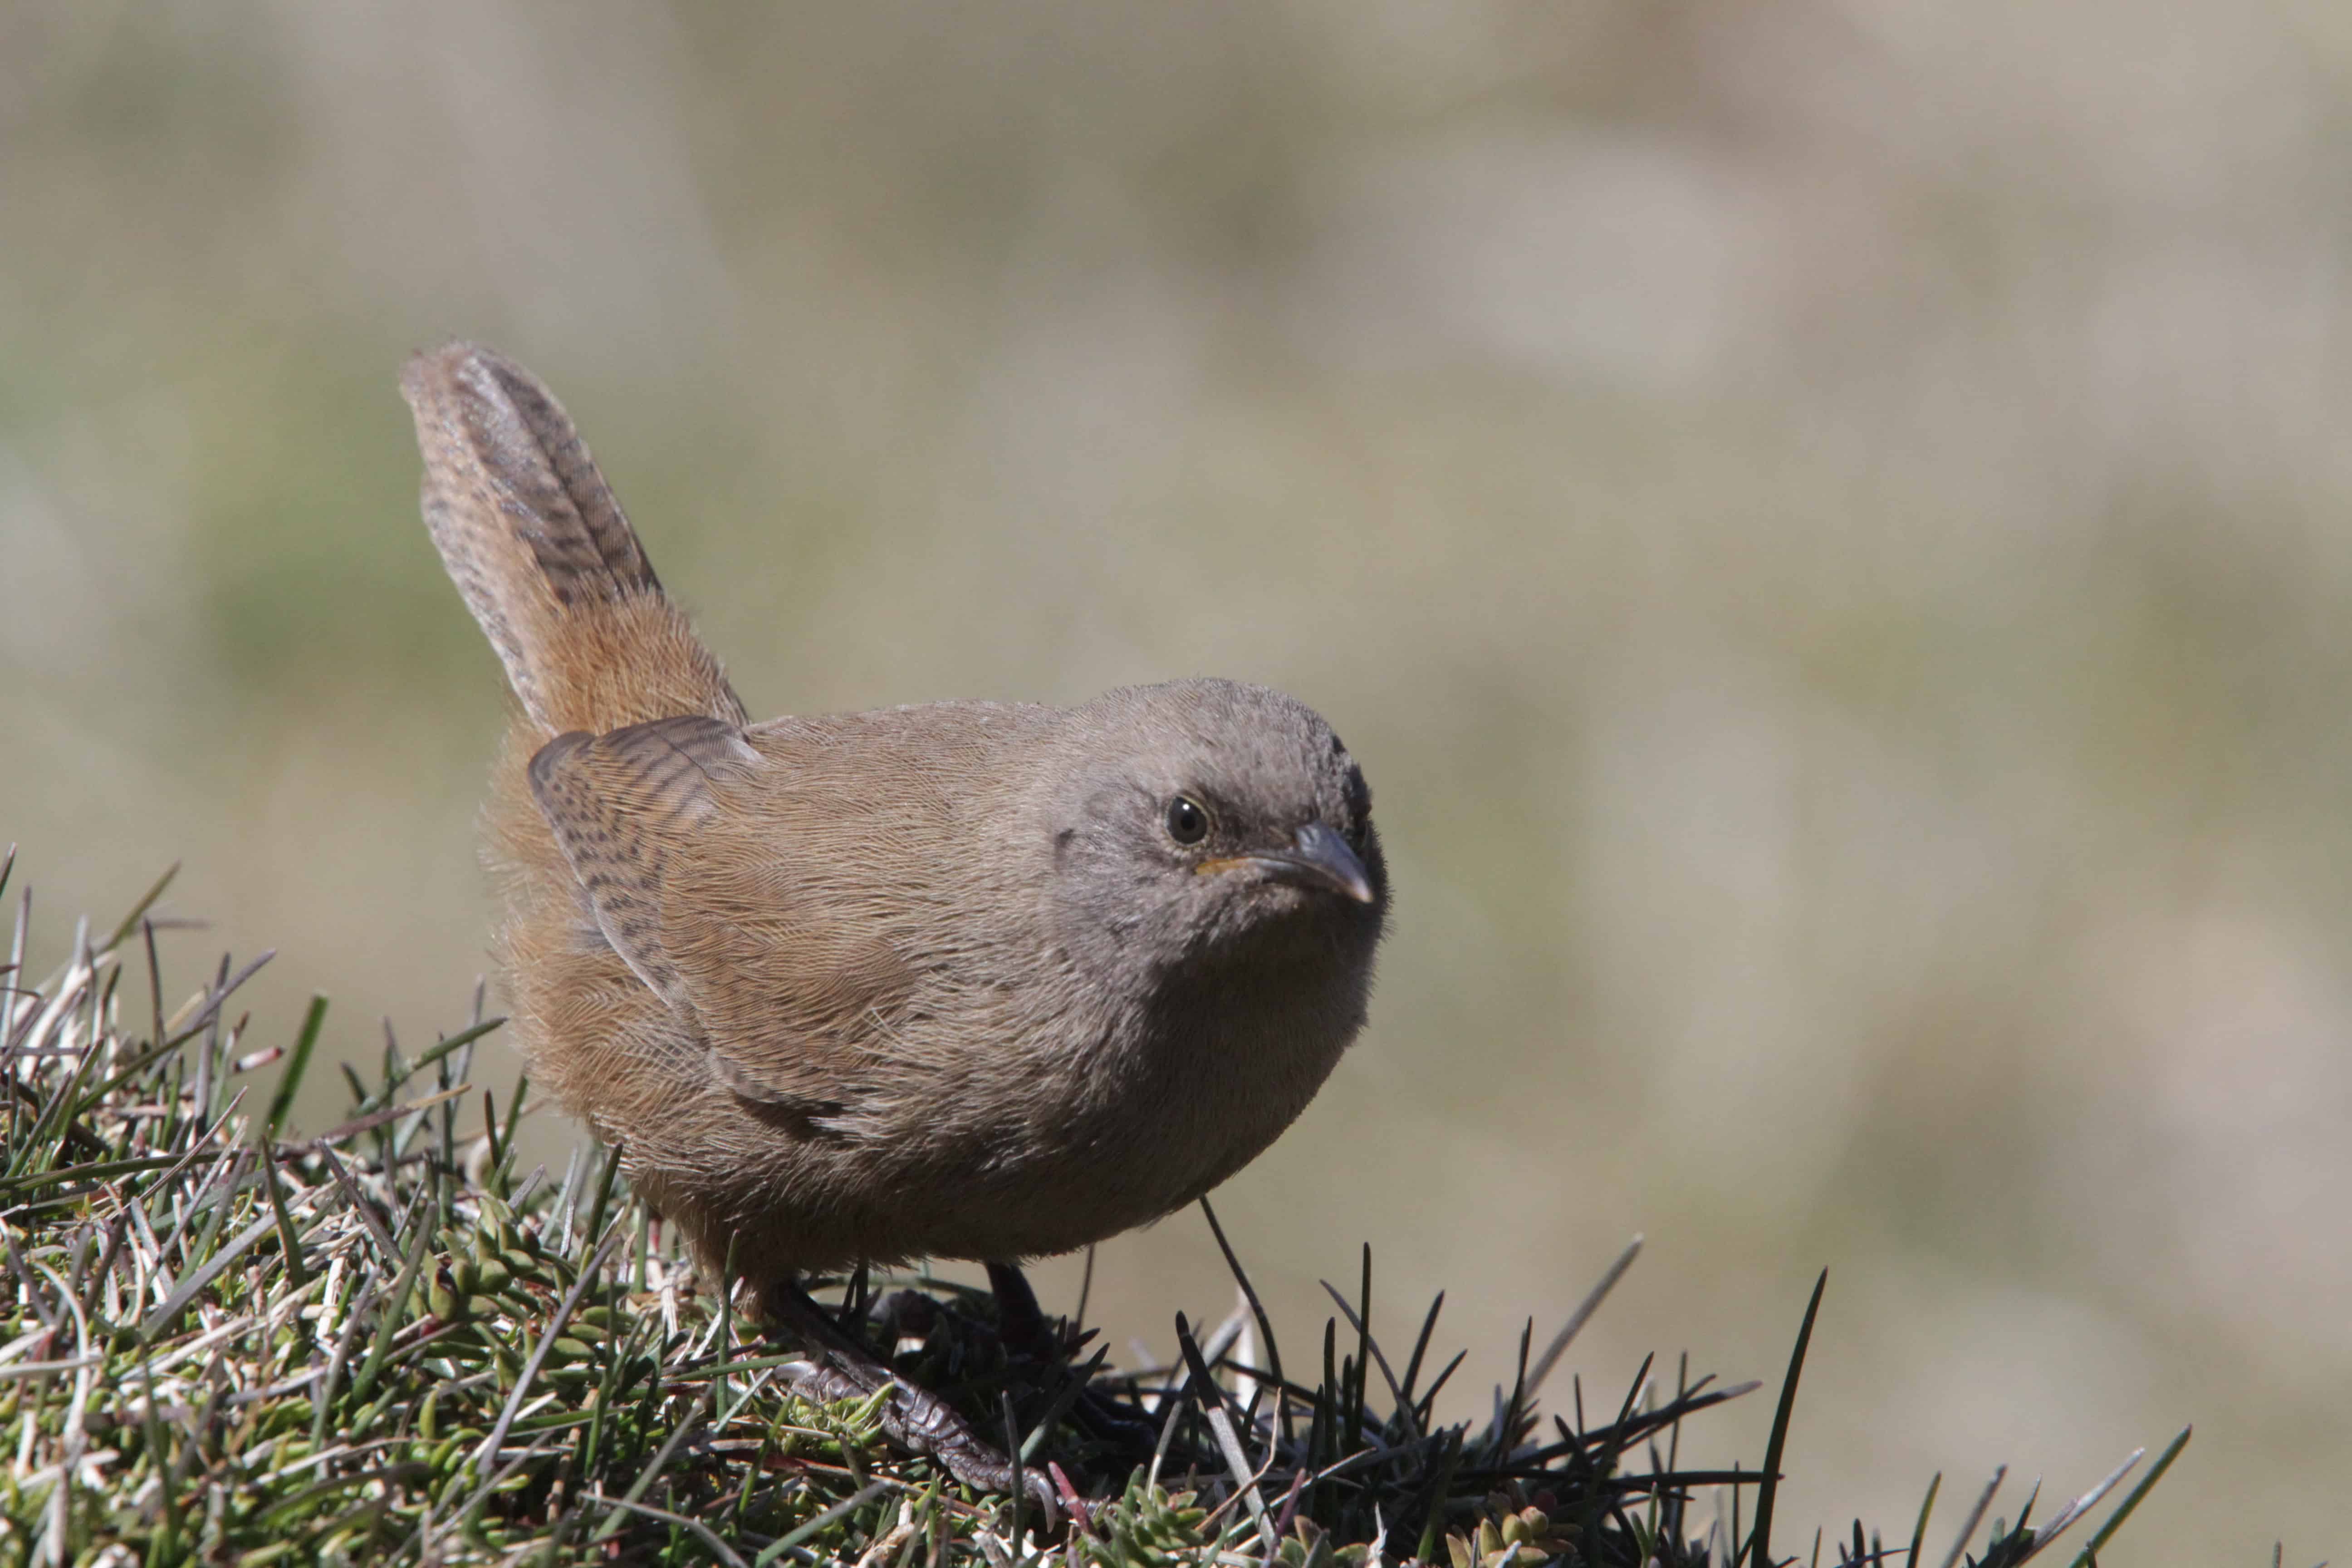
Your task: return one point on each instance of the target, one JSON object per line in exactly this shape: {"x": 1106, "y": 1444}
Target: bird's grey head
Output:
{"x": 1203, "y": 820}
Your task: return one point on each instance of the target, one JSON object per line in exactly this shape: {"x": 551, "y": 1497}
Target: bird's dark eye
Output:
{"x": 1188, "y": 821}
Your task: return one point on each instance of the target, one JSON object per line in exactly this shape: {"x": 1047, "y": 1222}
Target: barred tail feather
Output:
{"x": 544, "y": 557}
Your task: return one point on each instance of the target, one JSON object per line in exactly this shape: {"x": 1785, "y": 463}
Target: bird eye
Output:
{"x": 1188, "y": 821}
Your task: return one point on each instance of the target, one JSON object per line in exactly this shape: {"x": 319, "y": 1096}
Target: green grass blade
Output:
{"x": 2132, "y": 1499}
{"x": 290, "y": 1081}
{"x": 395, "y": 1308}
{"x": 138, "y": 911}
{"x": 1919, "y": 1526}
{"x": 1767, "y": 1489}
{"x": 297, "y": 1274}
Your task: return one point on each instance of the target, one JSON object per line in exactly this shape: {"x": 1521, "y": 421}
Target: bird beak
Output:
{"x": 1319, "y": 857}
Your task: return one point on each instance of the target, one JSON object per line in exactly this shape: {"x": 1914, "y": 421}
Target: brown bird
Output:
{"x": 967, "y": 980}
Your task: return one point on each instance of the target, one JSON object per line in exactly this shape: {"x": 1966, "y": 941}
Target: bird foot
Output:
{"x": 1028, "y": 1335}
{"x": 913, "y": 1418}
{"x": 923, "y": 1423}
{"x": 1021, "y": 1324}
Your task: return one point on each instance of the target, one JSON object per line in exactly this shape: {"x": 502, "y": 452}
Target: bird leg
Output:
{"x": 1022, "y": 1328}
{"x": 914, "y": 1418}
{"x": 1020, "y": 1323}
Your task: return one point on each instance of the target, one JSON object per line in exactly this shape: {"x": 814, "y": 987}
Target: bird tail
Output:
{"x": 544, "y": 557}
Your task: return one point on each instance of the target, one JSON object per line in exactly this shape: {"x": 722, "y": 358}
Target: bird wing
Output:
{"x": 731, "y": 888}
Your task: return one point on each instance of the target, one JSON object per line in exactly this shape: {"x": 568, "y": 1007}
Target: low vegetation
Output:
{"x": 386, "y": 1344}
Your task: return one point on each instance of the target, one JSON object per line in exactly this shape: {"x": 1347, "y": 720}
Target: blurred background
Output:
{"x": 1826, "y": 524}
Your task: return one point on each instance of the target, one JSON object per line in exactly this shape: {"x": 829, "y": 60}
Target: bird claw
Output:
{"x": 912, "y": 1419}
{"x": 922, "y": 1423}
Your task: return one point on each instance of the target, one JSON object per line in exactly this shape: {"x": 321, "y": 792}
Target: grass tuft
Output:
{"x": 385, "y": 1345}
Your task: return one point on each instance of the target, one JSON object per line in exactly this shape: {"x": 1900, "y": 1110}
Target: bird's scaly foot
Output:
{"x": 913, "y": 1418}
{"x": 1027, "y": 1336}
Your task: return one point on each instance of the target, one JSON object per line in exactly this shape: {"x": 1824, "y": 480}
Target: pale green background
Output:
{"x": 1826, "y": 524}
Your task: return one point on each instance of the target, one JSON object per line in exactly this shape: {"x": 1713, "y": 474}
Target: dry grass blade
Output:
{"x": 1976, "y": 1515}
{"x": 2053, "y": 1528}
{"x": 1229, "y": 1443}
{"x": 1541, "y": 1371}
{"x": 196, "y": 1283}
{"x": 701, "y": 1532}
